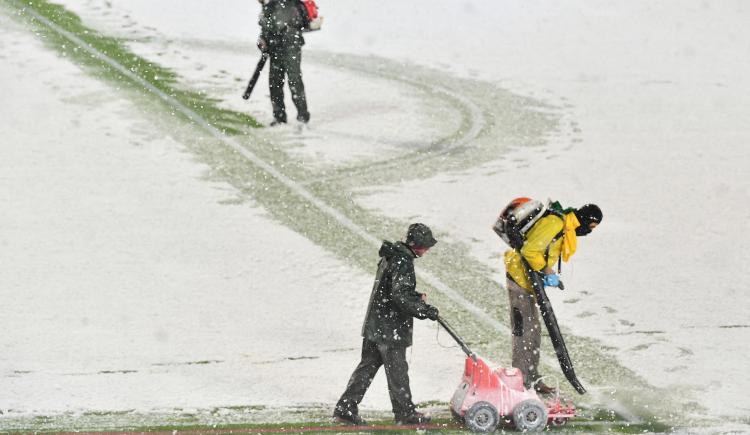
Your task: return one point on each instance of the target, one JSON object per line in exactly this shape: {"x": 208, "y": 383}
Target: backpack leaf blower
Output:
{"x": 256, "y": 74}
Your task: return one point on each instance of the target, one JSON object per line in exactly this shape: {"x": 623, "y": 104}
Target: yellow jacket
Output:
{"x": 538, "y": 238}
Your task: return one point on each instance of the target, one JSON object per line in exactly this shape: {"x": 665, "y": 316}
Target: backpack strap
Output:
{"x": 546, "y": 251}
{"x": 555, "y": 209}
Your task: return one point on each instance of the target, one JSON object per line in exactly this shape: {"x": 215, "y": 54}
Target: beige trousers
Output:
{"x": 526, "y": 329}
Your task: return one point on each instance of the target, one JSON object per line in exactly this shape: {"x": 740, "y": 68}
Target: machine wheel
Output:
{"x": 482, "y": 417}
{"x": 530, "y": 415}
{"x": 559, "y": 422}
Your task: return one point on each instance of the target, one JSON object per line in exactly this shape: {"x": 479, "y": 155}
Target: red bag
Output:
{"x": 312, "y": 21}
{"x": 311, "y": 8}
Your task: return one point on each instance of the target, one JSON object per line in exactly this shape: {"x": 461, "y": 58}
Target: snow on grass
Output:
{"x": 140, "y": 285}
{"x": 652, "y": 100}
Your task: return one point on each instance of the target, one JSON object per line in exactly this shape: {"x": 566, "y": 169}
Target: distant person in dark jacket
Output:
{"x": 281, "y": 24}
{"x": 388, "y": 327}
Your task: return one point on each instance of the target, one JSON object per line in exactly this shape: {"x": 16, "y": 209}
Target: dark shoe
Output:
{"x": 276, "y": 122}
{"x": 415, "y": 418}
{"x": 348, "y": 417}
{"x": 544, "y": 389}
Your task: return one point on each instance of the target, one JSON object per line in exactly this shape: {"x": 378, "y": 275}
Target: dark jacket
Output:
{"x": 394, "y": 301}
{"x": 281, "y": 24}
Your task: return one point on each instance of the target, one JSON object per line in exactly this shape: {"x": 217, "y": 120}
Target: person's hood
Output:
{"x": 588, "y": 214}
{"x": 390, "y": 250}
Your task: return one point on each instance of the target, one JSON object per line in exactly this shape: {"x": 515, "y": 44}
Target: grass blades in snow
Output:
{"x": 298, "y": 420}
{"x": 229, "y": 122}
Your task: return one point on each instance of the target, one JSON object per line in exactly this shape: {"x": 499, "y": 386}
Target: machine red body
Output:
{"x": 487, "y": 396}
{"x": 484, "y": 396}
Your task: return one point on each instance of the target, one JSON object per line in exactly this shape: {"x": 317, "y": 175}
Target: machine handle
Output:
{"x": 455, "y": 336}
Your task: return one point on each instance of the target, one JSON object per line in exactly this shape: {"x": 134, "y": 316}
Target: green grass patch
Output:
{"x": 163, "y": 79}
{"x": 383, "y": 426}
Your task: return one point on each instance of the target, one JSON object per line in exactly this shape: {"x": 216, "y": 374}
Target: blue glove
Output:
{"x": 552, "y": 280}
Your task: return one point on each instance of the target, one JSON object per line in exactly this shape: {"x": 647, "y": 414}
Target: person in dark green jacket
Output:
{"x": 281, "y": 23}
{"x": 388, "y": 327}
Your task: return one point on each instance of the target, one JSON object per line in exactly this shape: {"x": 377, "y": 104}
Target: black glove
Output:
{"x": 432, "y": 313}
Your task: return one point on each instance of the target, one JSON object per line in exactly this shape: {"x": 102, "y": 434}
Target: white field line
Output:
{"x": 425, "y": 276}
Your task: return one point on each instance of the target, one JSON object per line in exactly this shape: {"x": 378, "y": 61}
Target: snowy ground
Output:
{"x": 126, "y": 265}
{"x": 139, "y": 286}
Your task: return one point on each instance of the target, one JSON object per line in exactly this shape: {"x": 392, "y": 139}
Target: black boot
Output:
{"x": 544, "y": 389}
{"x": 347, "y": 416}
{"x": 414, "y": 418}
{"x": 304, "y": 117}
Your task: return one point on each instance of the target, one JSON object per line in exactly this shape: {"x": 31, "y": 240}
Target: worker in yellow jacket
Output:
{"x": 552, "y": 237}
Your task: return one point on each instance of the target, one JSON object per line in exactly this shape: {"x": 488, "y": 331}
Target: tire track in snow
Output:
{"x": 473, "y": 116}
{"x": 293, "y": 185}
{"x": 473, "y": 120}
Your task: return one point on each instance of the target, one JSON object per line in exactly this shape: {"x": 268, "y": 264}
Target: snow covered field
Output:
{"x": 136, "y": 280}
{"x": 120, "y": 266}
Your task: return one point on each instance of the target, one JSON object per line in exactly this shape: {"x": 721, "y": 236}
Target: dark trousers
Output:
{"x": 527, "y": 332}
{"x": 286, "y": 62}
{"x": 374, "y": 355}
